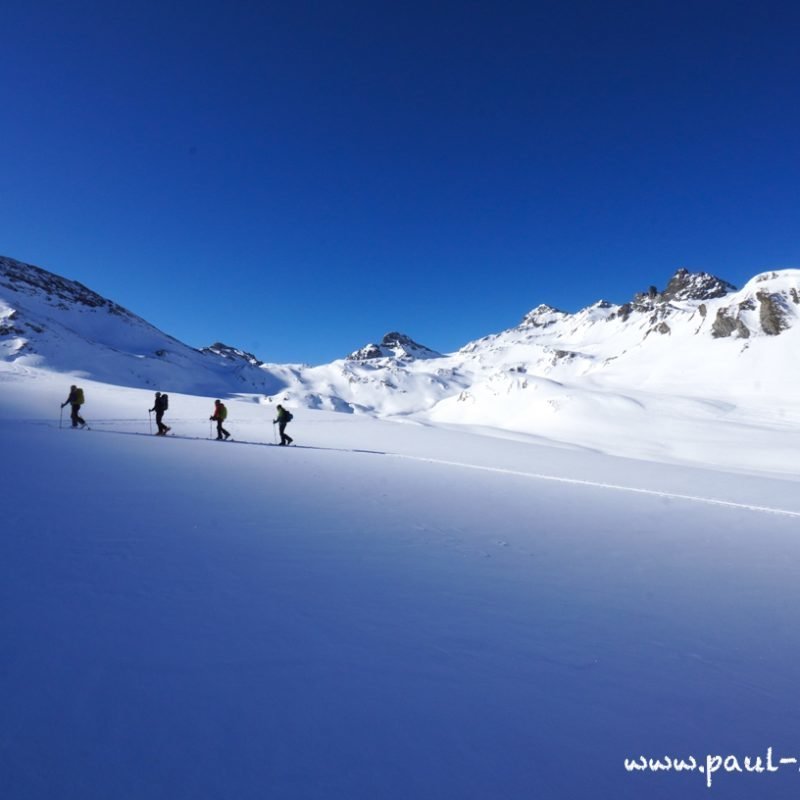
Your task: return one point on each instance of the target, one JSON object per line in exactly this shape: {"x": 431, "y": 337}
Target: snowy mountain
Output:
{"x": 659, "y": 367}
{"x": 49, "y": 321}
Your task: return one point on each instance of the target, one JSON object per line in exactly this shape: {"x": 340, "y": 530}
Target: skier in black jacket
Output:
{"x": 283, "y": 418}
{"x": 160, "y": 406}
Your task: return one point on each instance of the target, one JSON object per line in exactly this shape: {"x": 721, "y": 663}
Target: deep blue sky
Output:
{"x": 297, "y": 178}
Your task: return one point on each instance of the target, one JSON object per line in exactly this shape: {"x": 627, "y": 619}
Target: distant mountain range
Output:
{"x": 699, "y": 337}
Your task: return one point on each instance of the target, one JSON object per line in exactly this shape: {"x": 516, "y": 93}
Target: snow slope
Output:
{"x": 51, "y": 322}
{"x": 393, "y": 610}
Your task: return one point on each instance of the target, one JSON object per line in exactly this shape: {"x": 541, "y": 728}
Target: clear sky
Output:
{"x": 297, "y": 178}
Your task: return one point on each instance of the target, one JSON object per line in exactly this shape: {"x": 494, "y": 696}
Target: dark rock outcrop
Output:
{"x": 725, "y": 325}
{"x": 773, "y": 313}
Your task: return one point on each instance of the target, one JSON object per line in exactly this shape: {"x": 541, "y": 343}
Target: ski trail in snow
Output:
{"x": 498, "y": 470}
{"x": 612, "y": 486}
{"x": 95, "y": 427}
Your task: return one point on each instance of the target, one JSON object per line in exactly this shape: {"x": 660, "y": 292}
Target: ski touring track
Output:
{"x": 537, "y": 476}
{"x": 610, "y": 486}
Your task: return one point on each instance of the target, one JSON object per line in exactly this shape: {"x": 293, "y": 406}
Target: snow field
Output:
{"x": 200, "y": 619}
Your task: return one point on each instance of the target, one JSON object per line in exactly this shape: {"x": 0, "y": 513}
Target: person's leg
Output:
{"x": 219, "y": 428}
{"x": 75, "y": 416}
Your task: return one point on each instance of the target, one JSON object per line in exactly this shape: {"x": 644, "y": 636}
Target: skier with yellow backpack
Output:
{"x": 76, "y": 400}
{"x": 219, "y": 416}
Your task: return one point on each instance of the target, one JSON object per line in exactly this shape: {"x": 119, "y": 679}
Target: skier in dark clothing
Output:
{"x": 220, "y": 415}
{"x": 284, "y": 417}
{"x": 75, "y": 400}
{"x": 160, "y": 405}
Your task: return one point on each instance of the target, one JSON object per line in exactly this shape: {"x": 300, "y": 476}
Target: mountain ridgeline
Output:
{"x": 699, "y": 335}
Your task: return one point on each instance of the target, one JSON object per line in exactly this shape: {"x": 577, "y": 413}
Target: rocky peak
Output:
{"x": 394, "y": 345}
{"x": 685, "y": 285}
{"x": 542, "y": 317}
{"x": 232, "y": 353}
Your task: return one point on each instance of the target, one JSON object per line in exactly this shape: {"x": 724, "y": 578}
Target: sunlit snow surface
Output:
{"x": 389, "y": 610}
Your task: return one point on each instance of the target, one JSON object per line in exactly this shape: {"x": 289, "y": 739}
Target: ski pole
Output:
{"x": 60, "y": 416}
{"x": 150, "y": 419}
{"x": 209, "y": 428}
{"x": 274, "y": 433}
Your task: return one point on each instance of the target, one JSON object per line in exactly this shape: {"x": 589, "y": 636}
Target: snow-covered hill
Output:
{"x": 50, "y": 322}
{"x": 667, "y": 375}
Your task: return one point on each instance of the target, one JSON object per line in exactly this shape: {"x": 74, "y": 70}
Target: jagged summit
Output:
{"x": 542, "y": 316}
{"x": 685, "y": 285}
{"x": 233, "y": 353}
{"x": 394, "y": 345}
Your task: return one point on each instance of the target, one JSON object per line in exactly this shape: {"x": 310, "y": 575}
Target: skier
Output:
{"x": 284, "y": 417}
{"x": 160, "y": 405}
{"x": 220, "y": 415}
{"x": 76, "y": 400}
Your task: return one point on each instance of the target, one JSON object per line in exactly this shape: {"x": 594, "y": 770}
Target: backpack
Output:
{"x": 164, "y": 401}
{"x": 79, "y": 398}
{"x": 289, "y": 415}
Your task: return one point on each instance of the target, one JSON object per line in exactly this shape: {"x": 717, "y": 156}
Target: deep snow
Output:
{"x": 390, "y": 610}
